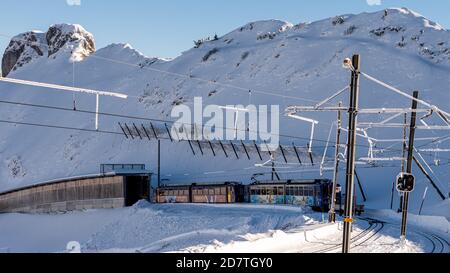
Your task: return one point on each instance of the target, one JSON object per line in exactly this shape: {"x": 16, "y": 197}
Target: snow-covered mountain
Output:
{"x": 280, "y": 62}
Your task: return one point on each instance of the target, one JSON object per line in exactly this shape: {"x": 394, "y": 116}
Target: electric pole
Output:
{"x": 159, "y": 163}
{"x": 412, "y": 131}
{"x": 405, "y": 148}
{"x": 332, "y": 213}
{"x": 351, "y": 150}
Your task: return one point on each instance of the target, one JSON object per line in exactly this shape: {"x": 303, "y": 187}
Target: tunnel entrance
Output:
{"x": 136, "y": 188}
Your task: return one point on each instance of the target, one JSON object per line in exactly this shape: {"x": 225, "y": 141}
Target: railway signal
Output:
{"x": 405, "y": 182}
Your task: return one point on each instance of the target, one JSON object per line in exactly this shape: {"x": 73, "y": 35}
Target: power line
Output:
{"x": 59, "y": 127}
{"x": 153, "y": 119}
{"x": 186, "y": 76}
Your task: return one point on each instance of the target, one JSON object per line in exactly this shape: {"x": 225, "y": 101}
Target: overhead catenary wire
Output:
{"x": 398, "y": 91}
{"x": 119, "y": 133}
{"x": 204, "y": 80}
{"x": 219, "y": 83}
{"x": 150, "y": 119}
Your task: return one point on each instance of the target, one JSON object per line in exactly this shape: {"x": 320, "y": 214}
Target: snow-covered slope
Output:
{"x": 201, "y": 228}
{"x": 272, "y": 58}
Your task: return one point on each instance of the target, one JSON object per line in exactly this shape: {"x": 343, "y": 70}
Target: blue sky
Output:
{"x": 165, "y": 28}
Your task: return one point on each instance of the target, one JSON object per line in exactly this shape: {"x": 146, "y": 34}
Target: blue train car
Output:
{"x": 309, "y": 193}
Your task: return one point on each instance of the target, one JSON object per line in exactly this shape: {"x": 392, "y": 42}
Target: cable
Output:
{"x": 190, "y": 77}
{"x": 153, "y": 119}
{"x": 59, "y": 127}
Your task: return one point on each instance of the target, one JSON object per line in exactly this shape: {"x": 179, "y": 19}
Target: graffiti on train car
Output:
{"x": 209, "y": 199}
{"x": 300, "y": 200}
{"x": 281, "y": 199}
{"x": 267, "y": 199}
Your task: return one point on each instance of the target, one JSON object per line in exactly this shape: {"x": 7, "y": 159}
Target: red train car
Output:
{"x": 219, "y": 193}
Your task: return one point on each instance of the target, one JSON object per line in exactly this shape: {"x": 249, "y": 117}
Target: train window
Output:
{"x": 280, "y": 191}
{"x": 211, "y": 191}
{"x": 305, "y": 191}
{"x": 301, "y": 191}
{"x": 263, "y": 191}
{"x": 295, "y": 191}
{"x": 217, "y": 191}
{"x": 205, "y": 191}
{"x": 223, "y": 190}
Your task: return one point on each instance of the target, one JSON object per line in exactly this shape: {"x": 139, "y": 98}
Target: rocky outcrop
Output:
{"x": 22, "y": 49}
{"x": 74, "y": 37}
{"x": 26, "y": 47}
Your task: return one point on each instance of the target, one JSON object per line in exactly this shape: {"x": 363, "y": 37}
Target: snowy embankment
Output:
{"x": 154, "y": 228}
{"x": 201, "y": 228}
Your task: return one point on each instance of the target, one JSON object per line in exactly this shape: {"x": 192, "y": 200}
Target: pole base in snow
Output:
{"x": 332, "y": 217}
{"x": 402, "y": 241}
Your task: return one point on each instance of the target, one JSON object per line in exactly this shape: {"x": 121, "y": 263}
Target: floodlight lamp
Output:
{"x": 348, "y": 64}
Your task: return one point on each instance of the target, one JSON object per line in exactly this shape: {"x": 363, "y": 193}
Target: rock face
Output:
{"x": 22, "y": 49}
{"x": 28, "y": 46}
{"x": 73, "y": 37}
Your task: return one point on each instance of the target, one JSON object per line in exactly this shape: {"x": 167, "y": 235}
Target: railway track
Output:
{"x": 439, "y": 244}
{"x": 359, "y": 239}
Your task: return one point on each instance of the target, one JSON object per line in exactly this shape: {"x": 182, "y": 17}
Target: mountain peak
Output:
{"x": 71, "y": 36}
{"x": 26, "y": 47}
{"x": 22, "y": 49}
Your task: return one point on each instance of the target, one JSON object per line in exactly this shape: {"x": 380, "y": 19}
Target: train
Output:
{"x": 314, "y": 193}
{"x": 221, "y": 193}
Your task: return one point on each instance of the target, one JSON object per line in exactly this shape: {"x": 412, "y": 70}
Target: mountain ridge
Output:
{"x": 279, "y": 62}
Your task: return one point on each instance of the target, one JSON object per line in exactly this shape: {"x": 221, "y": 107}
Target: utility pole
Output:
{"x": 273, "y": 168}
{"x": 423, "y": 200}
{"x": 405, "y": 148}
{"x": 403, "y": 163}
{"x": 332, "y": 213}
{"x": 351, "y": 150}
{"x": 412, "y": 131}
{"x": 159, "y": 163}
